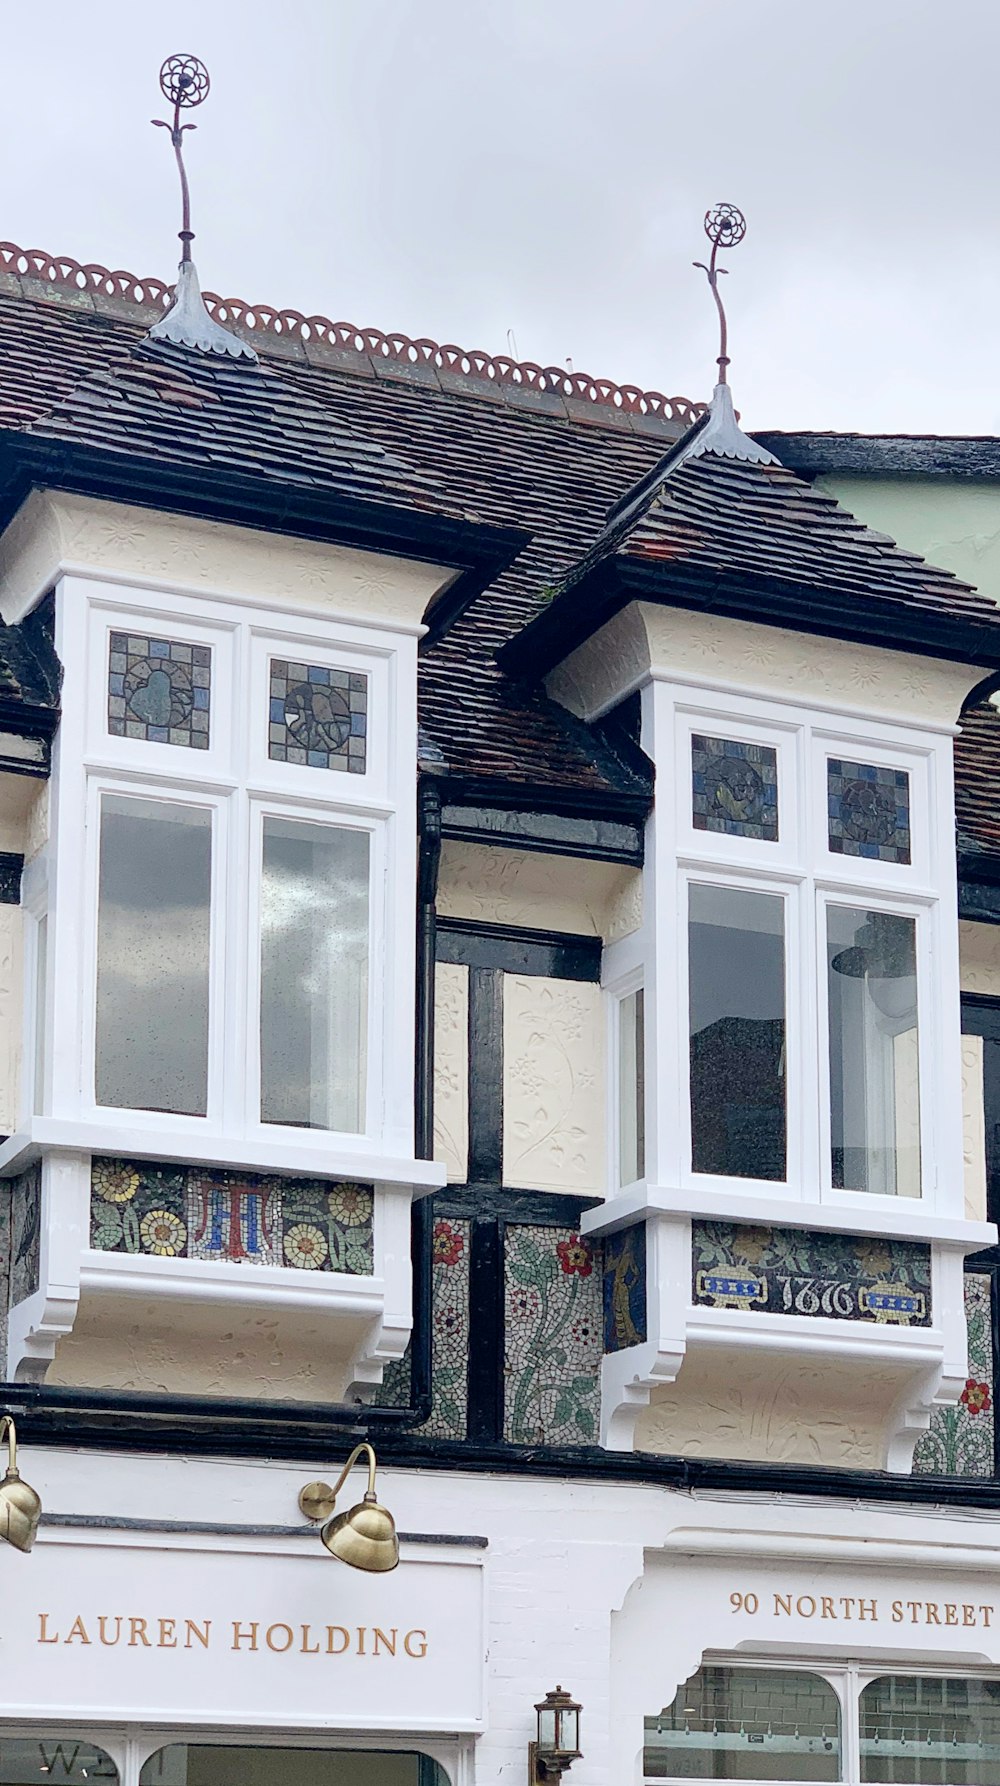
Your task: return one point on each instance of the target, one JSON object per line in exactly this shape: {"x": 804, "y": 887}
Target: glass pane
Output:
{"x": 153, "y": 954}
{"x": 931, "y": 1732}
{"x": 737, "y": 993}
{"x": 41, "y": 983}
{"x": 631, "y": 1089}
{"x": 874, "y": 1080}
{"x": 314, "y": 975}
{"x": 42, "y": 1760}
{"x": 184, "y": 1764}
{"x": 746, "y": 1724}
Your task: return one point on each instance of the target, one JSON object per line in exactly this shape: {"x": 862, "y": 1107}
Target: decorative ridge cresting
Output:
{"x": 289, "y": 332}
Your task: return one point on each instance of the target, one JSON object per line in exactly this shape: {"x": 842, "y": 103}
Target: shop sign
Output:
{"x": 113, "y": 1625}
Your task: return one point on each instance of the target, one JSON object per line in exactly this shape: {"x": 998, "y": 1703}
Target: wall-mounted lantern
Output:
{"x": 557, "y": 1742}
{"x": 20, "y": 1507}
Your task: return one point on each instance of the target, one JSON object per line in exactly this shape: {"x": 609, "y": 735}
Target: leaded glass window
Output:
{"x": 746, "y": 1724}
{"x": 868, "y": 811}
{"x": 318, "y": 716}
{"x": 159, "y": 690}
{"x": 734, "y": 787}
{"x": 736, "y": 948}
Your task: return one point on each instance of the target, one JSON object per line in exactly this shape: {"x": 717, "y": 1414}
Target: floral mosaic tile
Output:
{"x": 245, "y": 1218}
{"x": 625, "y": 1288}
{"x": 961, "y": 1440}
{"x": 554, "y": 1329}
{"x": 449, "y": 1337}
{"x": 25, "y": 1233}
{"x": 790, "y": 1271}
{"x": 734, "y": 788}
{"x": 868, "y": 811}
{"x": 159, "y": 690}
{"x": 317, "y": 716}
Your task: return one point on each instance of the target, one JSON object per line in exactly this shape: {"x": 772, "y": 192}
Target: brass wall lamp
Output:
{"x": 557, "y": 1741}
{"x": 20, "y": 1507}
{"x": 365, "y": 1536}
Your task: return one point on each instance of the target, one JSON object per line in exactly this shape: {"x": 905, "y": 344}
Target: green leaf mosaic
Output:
{"x": 961, "y": 1439}
{"x": 553, "y": 1297}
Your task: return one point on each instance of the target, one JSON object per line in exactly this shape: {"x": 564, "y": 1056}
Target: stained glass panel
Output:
{"x": 318, "y": 716}
{"x": 159, "y": 690}
{"x": 625, "y": 1288}
{"x": 553, "y": 1296}
{"x": 734, "y": 788}
{"x": 869, "y": 811}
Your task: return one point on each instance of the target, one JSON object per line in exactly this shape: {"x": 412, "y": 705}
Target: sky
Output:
{"x": 534, "y": 173}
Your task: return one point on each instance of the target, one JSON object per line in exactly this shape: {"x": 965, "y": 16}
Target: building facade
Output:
{"x": 498, "y": 961}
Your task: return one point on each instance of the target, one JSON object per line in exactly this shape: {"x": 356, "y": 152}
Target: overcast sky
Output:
{"x": 461, "y": 168}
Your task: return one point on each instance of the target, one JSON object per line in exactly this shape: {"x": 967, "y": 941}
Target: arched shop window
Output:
{"x": 48, "y": 1760}
{"x": 733, "y": 1723}
{"x": 211, "y": 1764}
{"x": 747, "y": 1724}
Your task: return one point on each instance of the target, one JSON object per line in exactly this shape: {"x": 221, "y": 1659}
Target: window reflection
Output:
{"x": 746, "y": 1724}
{"x": 53, "y": 1759}
{"x": 631, "y": 1088}
{"x": 919, "y": 1731}
{"x": 203, "y": 1764}
{"x": 737, "y": 1010}
{"x": 874, "y": 1075}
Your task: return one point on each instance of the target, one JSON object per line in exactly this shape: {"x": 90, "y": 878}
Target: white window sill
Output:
{"x": 911, "y": 1220}
{"x": 218, "y": 1280}
{"x": 314, "y": 1155}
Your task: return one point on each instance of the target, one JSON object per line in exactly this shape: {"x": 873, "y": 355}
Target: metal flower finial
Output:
{"x": 183, "y": 82}
{"x": 725, "y": 227}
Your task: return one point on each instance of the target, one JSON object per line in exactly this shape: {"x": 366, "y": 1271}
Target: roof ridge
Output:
{"x": 34, "y": 273}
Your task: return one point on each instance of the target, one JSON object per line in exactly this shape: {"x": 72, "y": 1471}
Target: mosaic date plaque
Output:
{"x": 790, "y": 1271}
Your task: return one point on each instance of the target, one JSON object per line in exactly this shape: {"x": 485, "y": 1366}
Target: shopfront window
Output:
{"x": 928, "y": 1731}
{"x": 210, "y": 1764}
{"x": 747, "y": 1724}
{"x": 48, "y": 1760}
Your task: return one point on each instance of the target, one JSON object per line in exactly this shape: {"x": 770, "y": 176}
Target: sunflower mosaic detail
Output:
{"x": 243, "y": 1218}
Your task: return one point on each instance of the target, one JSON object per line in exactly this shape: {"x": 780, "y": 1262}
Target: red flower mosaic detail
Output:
{"x": 575, "y": 1256}
{"x": 975, "y": 1397}
{"x": 449, "y": 1244}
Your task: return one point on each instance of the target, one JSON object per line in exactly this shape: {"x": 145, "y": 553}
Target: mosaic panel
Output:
{"x": 318, "y": 716}
{"x": 25, "y": 1233}
{"x": 192, "y": 1213}
{"x": 449, "y": 1338}
{"x": 789, "y": 1271}
{"x": 961, "y": 1440}
{"x": 734, "y": 788}
{"x": 159, "y": 690}
{"x": 625, "y": 1288}
{"x": 868, "y": 809}
{"x": 554, "y": 1329}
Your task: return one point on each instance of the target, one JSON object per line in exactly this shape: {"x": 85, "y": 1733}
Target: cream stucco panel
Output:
{"x": 554, "y": 1085}
{"x": 541, "y": 892}
{"x": 973, "y": 1128}
{"x": 979, "y": 957}
{"x": 11, "y": 1007}
{"x": 54, "y": 533}
{"x": 731, "y": 1405}
{"x": 451, "y": 1069}
{"x": 715, "y": 652}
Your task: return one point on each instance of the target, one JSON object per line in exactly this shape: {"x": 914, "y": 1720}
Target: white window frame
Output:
{"x": 622, "y": 973}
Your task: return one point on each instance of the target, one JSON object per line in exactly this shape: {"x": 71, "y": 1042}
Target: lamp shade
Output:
{"x": 20, "y": 1507}
{"x": 365, "y": 1537}
{"x": 558, "y": 1718}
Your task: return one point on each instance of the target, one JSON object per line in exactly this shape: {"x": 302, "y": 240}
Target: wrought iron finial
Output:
{"x": 183, "y": 82}
{"x": 725, "y": 227}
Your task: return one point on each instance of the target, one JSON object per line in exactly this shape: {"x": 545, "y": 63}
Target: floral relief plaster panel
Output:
{"x": 451, "y": 1069}
{"x": 979, "y": 958}
{"x": 973, "y": 1128}
{"x": 536, "y": 891}
{"x": 643, "y": 640}
{"x": 554, "y": 1085}
{"x": 54, "y": 532}
{"x": 729, "y": 1404}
